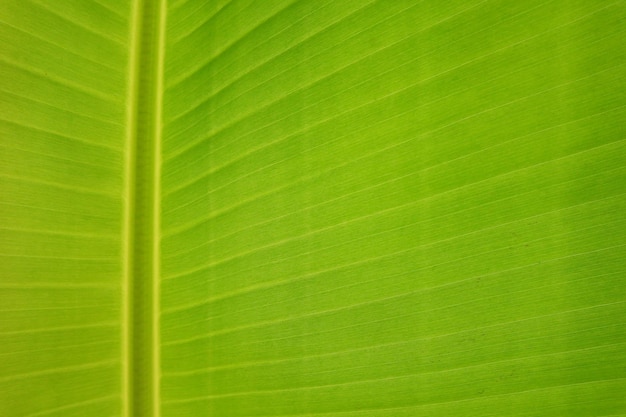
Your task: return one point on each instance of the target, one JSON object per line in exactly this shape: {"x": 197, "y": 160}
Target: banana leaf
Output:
{"x": 353, "y": 208}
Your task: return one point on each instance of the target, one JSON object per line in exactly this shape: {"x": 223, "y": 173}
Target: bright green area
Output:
{"x": 63, "y": 72}
{"x": 367, "y": 208}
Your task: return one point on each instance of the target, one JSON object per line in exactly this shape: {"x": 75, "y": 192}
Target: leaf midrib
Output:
{"x": 142, "y": 207}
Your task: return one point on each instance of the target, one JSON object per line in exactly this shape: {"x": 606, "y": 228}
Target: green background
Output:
{"x": 312, "y": 208}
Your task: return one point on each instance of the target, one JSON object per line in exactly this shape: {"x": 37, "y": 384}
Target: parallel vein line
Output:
{"x": 396, "y": 377}
{"x": 275, "y": 283}
{"x": 76, "y": 23}
{"x": 73, "y": 406}
{"x": 261, "y": 63}
{"x": 303, "y": 359}
{"x": 464, "y": 400}
{"x": 408, "y": 341}
{"x": 56, "y": 45}
{"x": 194, "y": 143}
{"x": 395, "y": 208}
{"x": 61, "y": 135}
{"x": 59, "y": 80}
{"x": 383, "y": 212}
{"x": 64, "y": 369}
{"x": 370, "y": 103}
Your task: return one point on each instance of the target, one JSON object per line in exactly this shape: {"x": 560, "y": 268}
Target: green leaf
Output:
{"x": 312, "y": 208}
{"x": 63, "y": 72}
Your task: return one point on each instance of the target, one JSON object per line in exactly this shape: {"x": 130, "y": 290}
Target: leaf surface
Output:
{"x": 298, "y": 208}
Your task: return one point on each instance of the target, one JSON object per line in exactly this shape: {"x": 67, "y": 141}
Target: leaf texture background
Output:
{"x": 63, "y": 85}
{"x": 362, "y": 208}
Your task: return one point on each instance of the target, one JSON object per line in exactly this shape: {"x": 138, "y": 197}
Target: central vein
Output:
{"x": 141, "y": 376}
